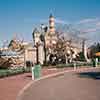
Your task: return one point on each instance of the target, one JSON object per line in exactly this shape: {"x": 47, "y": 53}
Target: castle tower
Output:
{"x": 36, "y": 36}
{"x": 51, "y": 24}
{"x": 51, "y": 37}
{"x": 39, "y": 53}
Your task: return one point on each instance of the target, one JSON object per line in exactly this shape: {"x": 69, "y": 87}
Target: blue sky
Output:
{"x": 21, "y": 16}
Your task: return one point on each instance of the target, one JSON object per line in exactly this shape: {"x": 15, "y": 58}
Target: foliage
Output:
{"x": 62, "y": 50}
{"x": 94, "y": 49}
{"x": 81, "y": 56}
{"x": 15, "y": 45}
{"x": 72, "y": 65}
{"x": 10, "y": 72}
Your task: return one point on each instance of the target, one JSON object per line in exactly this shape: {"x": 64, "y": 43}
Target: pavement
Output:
{"x": 11, "y": 86}
{"x": 75, "y": 85}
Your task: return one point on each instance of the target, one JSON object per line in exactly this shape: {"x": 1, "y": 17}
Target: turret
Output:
{"x": 36, "y": 36}
{"x": 51, "y": 24}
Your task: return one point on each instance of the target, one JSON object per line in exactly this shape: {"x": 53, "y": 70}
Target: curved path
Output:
{"x": 67, "y": 86}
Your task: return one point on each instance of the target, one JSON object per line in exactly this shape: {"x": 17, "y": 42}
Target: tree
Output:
{"x": 94, "y": 49}
{"x": 63, "y": 51}
{"x": 15, "y": 45}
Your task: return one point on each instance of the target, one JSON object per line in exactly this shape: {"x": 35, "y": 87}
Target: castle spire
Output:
{"x": 50, "y": 15}
{"x": 51, "y": 24}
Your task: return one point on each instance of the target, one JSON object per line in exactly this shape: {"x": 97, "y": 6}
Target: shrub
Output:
{"x": 64, "y": 65}
{"x": 72, "y": 64}
{"x": 10, "y": 72}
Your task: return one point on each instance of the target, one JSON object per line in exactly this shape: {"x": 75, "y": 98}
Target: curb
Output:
{"x": 49, "y": 76}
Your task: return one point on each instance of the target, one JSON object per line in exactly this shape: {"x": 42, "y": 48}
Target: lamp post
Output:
{"x": 44, "y": 52}
{"x": 37, "y": 53}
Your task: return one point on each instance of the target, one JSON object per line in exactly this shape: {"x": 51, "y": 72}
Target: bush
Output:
{"x": 98, "y": 63}
{"x": 64, "y": 65}
{"x": 72, "y": 64}
{"x": 81, "y": 57}
{"x": 10, "y": 72}
{"x": 28, "y": 69}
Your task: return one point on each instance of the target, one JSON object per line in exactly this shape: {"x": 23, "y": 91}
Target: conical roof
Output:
{"x": 35, "y": 30}
{"x": 51, "y": 15}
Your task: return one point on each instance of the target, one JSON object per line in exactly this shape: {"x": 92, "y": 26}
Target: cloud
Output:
{"x": 89, "y": 30}
{"x": 89, "y": 25}
{"x": 89, "y": 20}
{"x": 98, "y": 24}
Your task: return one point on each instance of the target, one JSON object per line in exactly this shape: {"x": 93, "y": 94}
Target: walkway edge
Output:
{"x": 49, "y": 76}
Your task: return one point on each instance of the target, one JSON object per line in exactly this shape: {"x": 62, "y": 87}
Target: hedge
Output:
{"x": 10, "y": 72}
{"x": 72, "y": 65}
{"x": 19, "y": 70}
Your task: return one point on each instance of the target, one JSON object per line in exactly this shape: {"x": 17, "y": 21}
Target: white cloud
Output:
{"x": 89, "y": 20}
{"x": 98, "y": 24}
{"x": 89, "y": 25}
{"x": 89, "y": 30}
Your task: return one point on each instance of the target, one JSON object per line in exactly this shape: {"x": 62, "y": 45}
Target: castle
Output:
{"x": 49, "y": 33}
{"x": 46, "y": 41}
{"x": 50, "y": 39}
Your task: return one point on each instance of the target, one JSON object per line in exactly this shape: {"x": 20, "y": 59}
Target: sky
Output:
{"x": 20, "y": 17}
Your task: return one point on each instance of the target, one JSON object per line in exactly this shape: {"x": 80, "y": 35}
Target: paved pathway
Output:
{"x": 68, "y": 86}
{"x": 10, "y": 86}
